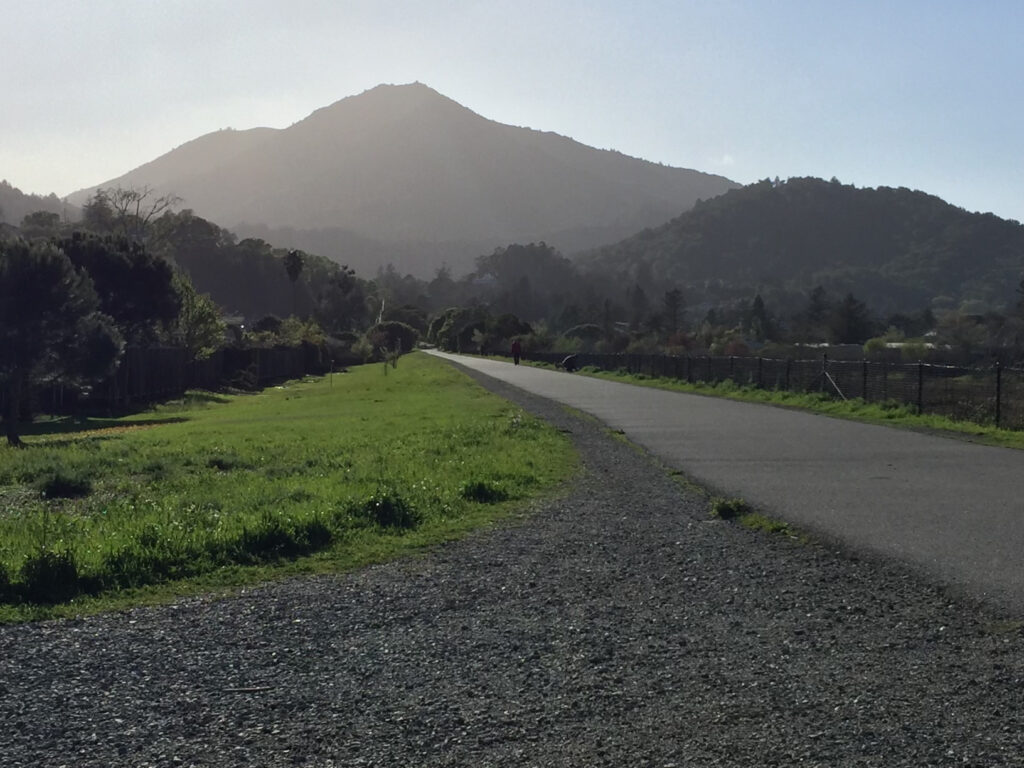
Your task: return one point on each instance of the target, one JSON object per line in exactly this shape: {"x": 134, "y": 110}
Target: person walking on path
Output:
{"x": 517, "y": 351}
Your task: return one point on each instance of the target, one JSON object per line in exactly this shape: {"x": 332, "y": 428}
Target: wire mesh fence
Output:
{"x": 993, "y": 395}
{"x": 155, "y": 374}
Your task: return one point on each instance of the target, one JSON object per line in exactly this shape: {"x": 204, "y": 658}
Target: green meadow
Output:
{"x": 216, "y": 491}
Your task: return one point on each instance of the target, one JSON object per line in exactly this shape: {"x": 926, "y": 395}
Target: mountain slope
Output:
{"x": 15, "y": 205}
{"x": 404, "y": 164}
{"x": 895, "y": 248}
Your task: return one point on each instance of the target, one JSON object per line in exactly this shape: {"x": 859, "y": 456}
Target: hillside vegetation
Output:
{"x": 15, "y": 205}
{"x": 895, "y": 249}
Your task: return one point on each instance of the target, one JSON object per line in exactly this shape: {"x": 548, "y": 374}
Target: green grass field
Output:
{"x": 322, "y": 474}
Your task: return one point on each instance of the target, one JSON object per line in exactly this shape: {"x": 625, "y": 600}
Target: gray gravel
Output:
{"x": 618, "y": 626}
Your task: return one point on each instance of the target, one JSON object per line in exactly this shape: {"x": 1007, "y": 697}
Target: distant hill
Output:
{"x": 405, "y": 171}
{"x": 15, "y": 205}
{"x": 896, "y": 249}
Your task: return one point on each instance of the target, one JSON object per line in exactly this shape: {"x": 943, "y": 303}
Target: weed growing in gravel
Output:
{"x": 348, "y": 471}
{"x": 729, "y": 509}
{"x": 755, "y": 521}
{"x": 739, "y": 511}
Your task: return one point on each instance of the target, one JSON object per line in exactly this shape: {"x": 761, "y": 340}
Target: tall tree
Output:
{"x": 341, "y": 305}
{"x": 673, "y": 306}
{"x": 850, "y": 322}
{"x": 442, "y": 288}
{"x": 98, "y": 213}
{"x": 134, "y": 287}
{"x": 40, "y": 224}
{"x": 640, "y": 307}
{"x": 293, "y": 264}
{"x": 50, "y": 325}
{"x": 757, "y": 322}
{"x": 813, "y": 321}
{"x": 199, "y": 327}
{"x": 135, "y": 208}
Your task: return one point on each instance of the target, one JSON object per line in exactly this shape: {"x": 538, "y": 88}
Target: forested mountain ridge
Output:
{"x": 408, "y": 167}
{"x": 15, "y": 205}
{"x": 896, "y": 249}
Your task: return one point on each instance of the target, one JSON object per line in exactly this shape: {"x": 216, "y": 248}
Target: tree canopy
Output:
{"x": 894, "y": 248}
{"x": 135, "y": 287}
{"x": 51, "y": 326}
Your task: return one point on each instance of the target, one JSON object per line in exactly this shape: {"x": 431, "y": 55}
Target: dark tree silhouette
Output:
{"x": 672, "y": 303}
{"x": 294, "y": 261}
{"x": 50, "y": 325}
{"x": 134, "y": 287}
{"x": 851, "y": 322}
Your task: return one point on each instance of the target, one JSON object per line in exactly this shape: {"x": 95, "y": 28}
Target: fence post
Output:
{"x": 920, "y": 388}
{"x": 760, "y": 379}
{"x": 824, "y": 371}
{"x": 789, "y": 365}
{"x": 999, "y": 392}
{"x": 864, "y": 382}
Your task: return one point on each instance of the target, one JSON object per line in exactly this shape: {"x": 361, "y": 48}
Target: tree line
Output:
{"x": 136, "y": 269}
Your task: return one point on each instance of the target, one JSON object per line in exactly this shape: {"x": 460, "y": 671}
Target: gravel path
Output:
{"x": 619, "y": 626}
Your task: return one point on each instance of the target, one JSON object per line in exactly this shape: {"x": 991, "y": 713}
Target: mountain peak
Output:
{"x": 387, "y": 96}
{"x": 406, "y": 164}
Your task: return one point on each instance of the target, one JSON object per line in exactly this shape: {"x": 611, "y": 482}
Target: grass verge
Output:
{"x": 884, "y": 413}
{"x": 212, "y": 493}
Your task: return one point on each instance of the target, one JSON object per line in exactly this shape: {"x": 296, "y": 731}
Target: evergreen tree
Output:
{"x": 850, "y": 322}
{"x": 50, "y": 325}
{"x": 674, "y": 307}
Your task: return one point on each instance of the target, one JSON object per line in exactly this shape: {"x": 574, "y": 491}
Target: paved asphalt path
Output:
{"x": 948, "y": 507}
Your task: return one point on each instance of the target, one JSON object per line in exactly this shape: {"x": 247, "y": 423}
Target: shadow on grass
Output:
{"x": 116, "y": 420}
{"x": 204, "y": 397}
{"x": 76, "y": 425}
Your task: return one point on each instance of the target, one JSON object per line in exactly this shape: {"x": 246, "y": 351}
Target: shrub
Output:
{"x": 64, "y": 483}
{"x": 566, "y": 345}
{"x": 49, "y": 576}
{"x": 138, "y": 565}
{"x": 392, "y": 334}
{"x": 914, "y": 351}
{"x": 388, "y": 509}
{"x": 729, "y": 509}
{"x": 483, "y": 492}
{"x": 875, "y": 349}
{"x": 363, "y": 350}
{"x": 274, "y": 537}
{"x": 224, "y": 462}
{"x": 5, "y": 583}
{"x": 588, "y": 332}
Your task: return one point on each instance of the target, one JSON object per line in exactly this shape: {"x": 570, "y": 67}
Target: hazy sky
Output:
{"x": 927, "y": 94}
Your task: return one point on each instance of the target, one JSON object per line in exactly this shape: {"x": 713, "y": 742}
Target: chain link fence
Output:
{"x": 992, "y": 395}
